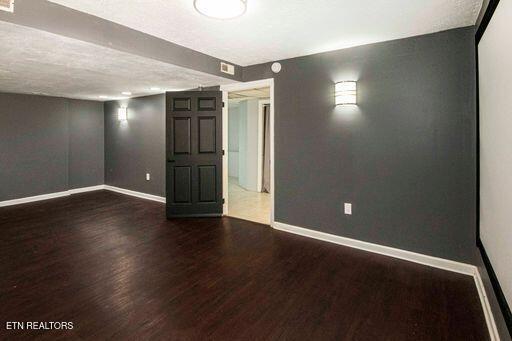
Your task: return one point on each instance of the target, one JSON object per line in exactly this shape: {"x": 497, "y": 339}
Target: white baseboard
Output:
{"x": 86, "y": 189}
{"x": 441, "y": 263}
{"x": 135, "y": 194}
{"x": 81, "y": 190}
{"x": 33, "y": 198}
{"x": 486, "y": 306}
{"x": 445, "y": 264}
{"x": 50, "y": 195}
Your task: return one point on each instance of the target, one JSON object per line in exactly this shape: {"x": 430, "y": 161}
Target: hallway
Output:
{"x": 248, "y": 205}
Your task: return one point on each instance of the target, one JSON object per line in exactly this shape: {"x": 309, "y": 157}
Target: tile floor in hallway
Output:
{"x": 248, "y": 205}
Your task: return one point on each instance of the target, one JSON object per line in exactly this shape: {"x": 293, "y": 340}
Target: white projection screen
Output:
{"x": 495, "y": 96}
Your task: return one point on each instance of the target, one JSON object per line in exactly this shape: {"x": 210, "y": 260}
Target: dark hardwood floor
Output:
{"x": 116, "y": 268}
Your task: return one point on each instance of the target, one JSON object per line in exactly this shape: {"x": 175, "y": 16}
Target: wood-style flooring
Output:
{"x": 116, "y": 268}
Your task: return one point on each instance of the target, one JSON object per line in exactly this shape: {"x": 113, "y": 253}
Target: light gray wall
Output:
{"x": 242, "y": 144}
{"x": 495, "y": 163}
{"x": 495, "y": 87}
{"x": 36, "y": 152}
{"x": 137, "y": 146}
{"x": 404, "y": 157}
{"x": 233, "y": 139}
{"x": 248, "y": 145}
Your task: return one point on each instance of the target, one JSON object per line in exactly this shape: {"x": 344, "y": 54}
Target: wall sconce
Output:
{"x": 122, "y": 114}
{"x": 346, "y": 93}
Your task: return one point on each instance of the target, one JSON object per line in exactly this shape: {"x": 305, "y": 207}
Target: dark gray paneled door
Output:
{"x": 194, "y": 153}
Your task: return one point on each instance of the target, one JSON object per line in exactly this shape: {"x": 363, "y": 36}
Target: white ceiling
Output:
{"x": 278, "y": 29}
{"x": 34, "y": 61}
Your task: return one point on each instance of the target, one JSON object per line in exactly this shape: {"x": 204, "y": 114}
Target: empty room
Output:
{"x": 255, "y": 170}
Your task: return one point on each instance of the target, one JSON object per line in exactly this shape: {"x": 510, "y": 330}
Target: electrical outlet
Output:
{"x": 348, "y": 208}
{"x": 148, "y": 176}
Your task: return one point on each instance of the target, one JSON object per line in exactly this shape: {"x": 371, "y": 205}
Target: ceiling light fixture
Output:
{"x": 155, "y": 88}
{"x": 126, "y": 93}
{"x": 221, "y": 9}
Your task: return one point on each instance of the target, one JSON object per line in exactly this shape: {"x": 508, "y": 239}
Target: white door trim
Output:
{"x": 225, "y": 177}
{"x": 225, "y": 149}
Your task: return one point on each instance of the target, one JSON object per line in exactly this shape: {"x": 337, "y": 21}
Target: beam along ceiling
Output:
{"x": 34, "y": 61}
{"x": 273, "y": 30}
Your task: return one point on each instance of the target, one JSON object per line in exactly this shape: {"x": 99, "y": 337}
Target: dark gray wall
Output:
{"x": 37, "y": 155}
{"x": 86, "y": 143}
{"x": 137, "y": 146}
{"x": 404, "y": 157}
{"x": 33, "y": 145}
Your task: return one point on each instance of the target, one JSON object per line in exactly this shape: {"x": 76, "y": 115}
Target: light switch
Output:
{"x": 148, "y": 177}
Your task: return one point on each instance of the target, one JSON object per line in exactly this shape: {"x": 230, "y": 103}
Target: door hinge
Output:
{"x": 223, "y": 152}
{"x": 223, "y": 104}
{"x": 223, "y": 201}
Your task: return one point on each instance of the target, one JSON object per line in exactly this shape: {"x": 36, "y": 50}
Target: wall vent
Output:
{"x": 227, "y": 68}
{"x": 7, "y": 5}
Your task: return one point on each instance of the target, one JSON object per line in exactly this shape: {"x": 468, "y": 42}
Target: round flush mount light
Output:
{"x": 221, "y": 9}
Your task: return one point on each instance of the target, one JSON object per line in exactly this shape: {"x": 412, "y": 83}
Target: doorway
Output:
{"x": 248, "y": 143}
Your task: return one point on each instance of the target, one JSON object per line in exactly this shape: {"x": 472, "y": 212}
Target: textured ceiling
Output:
{"x": 279, "y": 29}
{"x": 34, "y": 61}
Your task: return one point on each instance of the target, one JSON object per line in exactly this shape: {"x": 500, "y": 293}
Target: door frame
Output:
{"x": 269, "y": 82}
{"x": 261, "y": 137}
